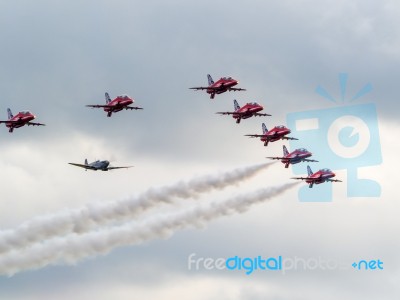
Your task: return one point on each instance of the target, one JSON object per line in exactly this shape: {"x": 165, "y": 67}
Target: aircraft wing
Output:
{"x": 113, "y": 168}
{"x": 132, "y": 107}
{"x": 97, "y": 106}
{"x": 289, "y": 138}
{"x": 255, "y": 135}
{"x": 227, "y": 113}
{"x": 301, "y": 178}
{"x": 212, "y": 88}
{"x": 275, "y": 157}
{"x": 199, "y": 88}
{"x": 334, "y": 180}
{"x": 261, "y": 115}
{"x": 83, "y": 166}
{"x": 35, "y": 124}
{"x": 239, "y": 114}
{"x": 310, "y": 160}
{"x": 29, "y": 123}
{"x": 236, "y": 89}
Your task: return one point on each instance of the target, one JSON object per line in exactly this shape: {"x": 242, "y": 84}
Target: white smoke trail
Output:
{"x": 94, "y": 215}
{"x": 72, "y": 248}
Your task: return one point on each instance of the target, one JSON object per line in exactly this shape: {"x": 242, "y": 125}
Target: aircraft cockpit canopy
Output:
{"x": 326, "y": 170}
{"x": 25, "y": 112}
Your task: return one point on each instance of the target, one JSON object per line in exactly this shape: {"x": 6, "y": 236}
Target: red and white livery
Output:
{"x": 294, "y": 157}
{"x": 220, "y": 86}
{"x": 119, "y": 103}
{"x": 321, "y": 176}
{"x": 277, "y": 133}
{"x": 246, "y": 111}
{"x": 21, "y": 119}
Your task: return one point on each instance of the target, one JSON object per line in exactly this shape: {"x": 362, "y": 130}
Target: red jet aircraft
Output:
{"x": 246, "y": 111}
{"x": 321, "y": 176}
{"x": 118, "y": 104}
{"x": 221, "y": 86}
{"x": 294, "y": 157}
{"x": 277, "y": 133}
{"x": 22, "y": 118}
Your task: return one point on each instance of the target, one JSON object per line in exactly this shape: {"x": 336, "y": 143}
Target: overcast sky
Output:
{"x": 58, "y": 56}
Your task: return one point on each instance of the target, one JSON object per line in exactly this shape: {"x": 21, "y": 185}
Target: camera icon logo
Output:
{"x": 345, "y": 137}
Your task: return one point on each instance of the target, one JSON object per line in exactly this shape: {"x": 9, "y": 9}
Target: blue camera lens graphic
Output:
{"x": 347, "y": 138}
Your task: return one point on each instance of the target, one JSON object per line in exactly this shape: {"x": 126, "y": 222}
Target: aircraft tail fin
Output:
{"x": 210, "y": 80}
{"x": 285, "y": 151}
{"x": 236, "y": 105}
{"x": 86, "y": 162}
{"x": 264, "y": 128}
{"x": 108, "y": 99}
{"x": 309, "y": 171}
{"x": 10, "y": 115}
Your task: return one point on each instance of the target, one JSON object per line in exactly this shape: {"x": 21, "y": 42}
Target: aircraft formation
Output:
{"x": 112, "y": 106}
{"x": 224, "y": 84}
{"x": 279, "y": 132}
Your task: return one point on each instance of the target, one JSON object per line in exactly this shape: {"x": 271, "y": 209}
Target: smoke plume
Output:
{"x": 72, "y": 248}
{"x": 99, "y": 214}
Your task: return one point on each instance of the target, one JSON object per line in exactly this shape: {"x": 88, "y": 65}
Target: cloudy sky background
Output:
{"x": 58, "y": 56}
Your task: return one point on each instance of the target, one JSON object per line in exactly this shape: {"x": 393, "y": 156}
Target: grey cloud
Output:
{"x": 57, "y": 57}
